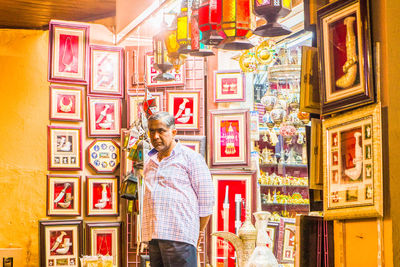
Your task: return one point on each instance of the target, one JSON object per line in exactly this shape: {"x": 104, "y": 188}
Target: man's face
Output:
{"x": 161, "y": 136}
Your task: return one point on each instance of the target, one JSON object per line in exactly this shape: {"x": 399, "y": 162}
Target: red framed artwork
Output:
{"x": 151, "y": 73}
{"x": 104, "y": 116}
{"x": 105, "y": 238}
{"x": 68, "y": 46}
{"x": 184, "y": 106}
{"x": 273, "y": 233}
{"x": 106, "y": 71}
{"x": 229, "y": 86}
{"x": 197, "y": 143}
{"x": 134, "y": 75}
{"x": 103, "y": 155}
{"x": 345, "y": 55}
{"x": 60, "y": 243}
{"x": 64, "y": 146}
{"x": 234, "y": 193}
{"x": 229, "y": 138}
{"x": 102, "y": 196}
{"x": 63, "y": 195}
{"x": 66, "y": 102}
{"x": 135, "y": 104}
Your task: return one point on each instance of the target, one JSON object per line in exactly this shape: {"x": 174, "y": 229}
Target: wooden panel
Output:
{"x": 36, "y": 14}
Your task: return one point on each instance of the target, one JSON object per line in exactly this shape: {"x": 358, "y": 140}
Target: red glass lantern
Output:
{"x": 235, "y": 25}
{"x": 160, "y": 56}
{"x": 210, "y": 12}
{"x": 198, "y": 49}
{"x": 271, "y": 10}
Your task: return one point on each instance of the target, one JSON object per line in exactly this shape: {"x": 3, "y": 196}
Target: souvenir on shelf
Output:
{"x": 104, "y": 116}
{"x": 68, "y": 52}
{"x": 102, "y": 196}
{"x": 61, "y": 242}
{"x": 103, "y": 155}
{"x": 63, "y": 195}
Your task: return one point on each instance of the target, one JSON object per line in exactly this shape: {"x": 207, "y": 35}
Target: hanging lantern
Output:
{"x": 271, "y": 10}
{"x": 129, "y": 187}
{"x": 265, "y": 52}
{"x": 183, "y": 35}
{"x": 198, "y": 48}
{"x": 235, "y": 25}
{"x": 171, "y": 43}
{"x": 210, "y": 12}
{"x": 177, "y": 62}
{"x": 160, "y": 56}
{"x": 248, "y": 62}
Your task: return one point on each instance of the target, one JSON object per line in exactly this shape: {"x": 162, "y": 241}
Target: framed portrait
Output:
{"x": 126, "y": 164}
{"x": 345, "y": 55}
{"x": 144, "y": 261}
{"x": 105, "y": 238}
{"x": 229, "y": 138}
{"x": 104, "y": 116}
{"x": 102, "y": 196}
{"x": 352, "y": 163}
{"x": 197, "y": 143}
{"x": 316, "y": 171}
{"x": 287, "y": 233}
{"x": 273, "y": 233}
{"x": 63, "y": 195}
{"x": 309, "y": 81}
{"x": 135, "y": 104}
{"x": 66, "y": 102}
{"x": 64, "y": 146}
{"x": 60, "y": 243}
{"x": 103, "y": 155}
{"x": 229, "y": 86}
{"x": 106, "y": 71}
{"x": 151, "y": 73}
{"x": 184, "y": 105}
{"x": 68, "y": 46}
{"x": 234, "y": 194}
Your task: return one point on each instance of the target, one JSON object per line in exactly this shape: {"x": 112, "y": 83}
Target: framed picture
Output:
{"x": 64, "y": 146}
{"x": 151, "y": 73}
{"x": 63, "y": 195}
{"x": 309, "y": 81}
{"x": 273, "y": 233}
{"x": 68, "y": 46}
{"x": 229, "y": 138}
{"x": 66, "y": 102}
{"x": 229, "y": 86}
{"x": 144, "y": 261}
{"x": 234, "y": 193}
{"x": 126, "y": 164}
{"x": 60, "y": 243}
{"x": 287, "y": 233}
{"x": 197, "y": 143}
{"x": 106, "y": 72}
{"x": 316, "y": 171}
{"x": 102, "y": 196}
{"x": 184, "y": 105}
{"x": 105, "y": 238}
{"x": 310, "y": 16}
{"x": 135, "y": 104}
{"x": 352, "y": 149}
{"x": 103, "y": 155}
{"x": 104, "y": 116}
{"x": 345, "y": 55}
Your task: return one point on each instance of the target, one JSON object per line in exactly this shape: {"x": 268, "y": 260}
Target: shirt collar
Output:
{"x": 176, "y": 150}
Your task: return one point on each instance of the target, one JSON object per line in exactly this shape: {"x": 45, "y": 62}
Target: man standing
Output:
{"x": 178, "y": 198}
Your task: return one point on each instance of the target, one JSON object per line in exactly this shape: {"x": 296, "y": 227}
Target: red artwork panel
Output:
{"x": 64, "y": 196}
{"x": 229, "y": 138}
{"x": 104, "y": 114}
{"x": 351, "y": 155}
{"x": 183, "y": 110}
{"x": 68, "y": 56}
{"x": 61, "y": 243}
{"x": 102, "y": 193}
{"x": 229, "y": 86}
{"x": 104, "y": 244}
{"x": 66, "y": 103}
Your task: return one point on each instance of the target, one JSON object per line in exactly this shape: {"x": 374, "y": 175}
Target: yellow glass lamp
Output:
{"x": 161, "y": 56}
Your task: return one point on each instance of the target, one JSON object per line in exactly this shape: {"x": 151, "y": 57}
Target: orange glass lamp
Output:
{"x": 210, "y": 12}
{"x": 271, "y": 10}
{"x": 235, "y": 25}
{"x": 160, "y": 57}
{"x": 183, "y": 35}
{"x": 198, "y": 48}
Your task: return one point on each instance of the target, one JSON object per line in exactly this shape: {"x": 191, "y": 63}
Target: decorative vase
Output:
{"x": 269, "y": 100}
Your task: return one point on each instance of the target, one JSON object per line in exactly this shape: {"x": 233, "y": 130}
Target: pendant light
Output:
{"x": 235, "y": 25}
{"x": 160, "y": 56}
{"x": 183, "y": 28}
{"x": 210, "y": 12}
{"x": 198, "y": 48}
{"x": 271, "y": 10}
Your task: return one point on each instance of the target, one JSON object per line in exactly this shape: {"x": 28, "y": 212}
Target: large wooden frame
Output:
{"x": 104, "y": 116}
{"x": 66, "y": 102}
{"x": 105, "y": 238}
{"x": 184, "y": 105}
{"x": 68, "y": 46}
{"x": 102, "y": 197}
{"x": 64, "y": 146}
{"x": 61, "y": 243}
{"x": 238, "y": 182}
{"x": 106, "y": 71}
{"x": 236, "y": 152}
{"x": 344, "y": 34}
{"x": 352, "y": 149}
{"x": 63, "y": 195}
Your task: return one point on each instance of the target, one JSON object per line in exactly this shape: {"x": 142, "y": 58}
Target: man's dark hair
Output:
{"x": 165, "y": 117}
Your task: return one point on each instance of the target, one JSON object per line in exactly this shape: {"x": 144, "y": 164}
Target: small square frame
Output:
{"x": 64, "y": 148}
{"x": 104, "y": 116}
{"x": 63, "y": 195}
{"x": 229, "y": 86}
{"x": 197, "y": 143}
{"x": 135, "y": 101}
{"x": 66, "y": 102}
{"x": 186, "y": 118}
{"x": 102, "y": 196}
{"x": 151, "y": 73}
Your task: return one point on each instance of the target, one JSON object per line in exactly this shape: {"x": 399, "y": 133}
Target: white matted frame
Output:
{"x": 135, "y": 101}
{"x": 66, "y": 102}
{"x": 184, "y": 105}
{"x": 104, "y": 116}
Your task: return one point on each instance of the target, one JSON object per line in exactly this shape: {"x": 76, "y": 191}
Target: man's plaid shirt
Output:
{"x": 178, "y": 190}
